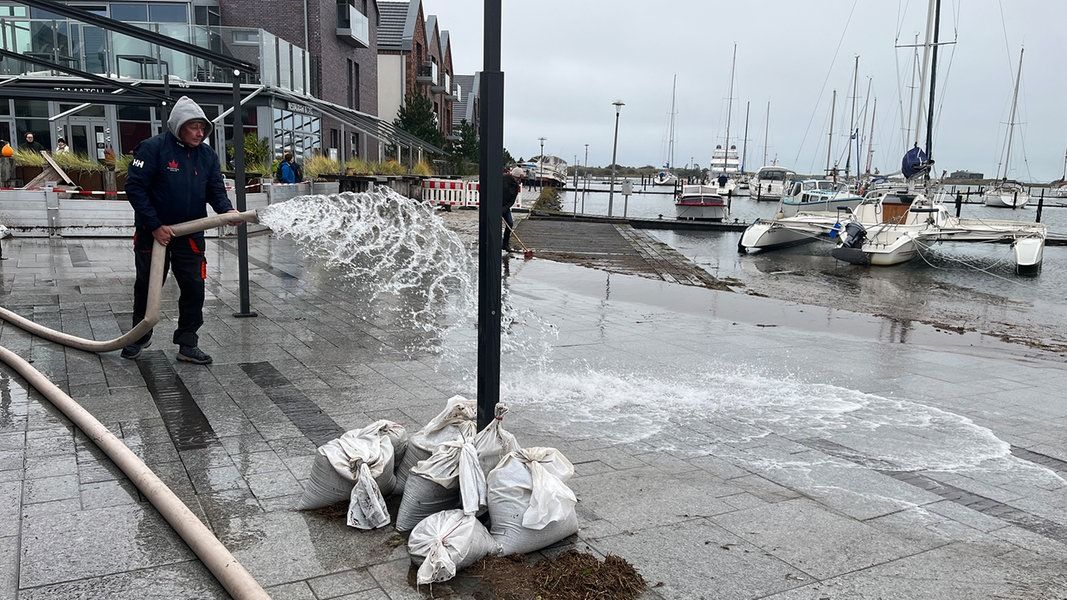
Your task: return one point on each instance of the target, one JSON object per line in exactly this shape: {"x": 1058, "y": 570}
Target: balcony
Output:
{"x": 107, "y": 53}
{"x": 442, "y": 83}
{"x": 427, "y": 72}
{"x": 353, "y": 27}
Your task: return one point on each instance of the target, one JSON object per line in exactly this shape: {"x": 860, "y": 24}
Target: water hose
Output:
{"x": 234, "y": 578}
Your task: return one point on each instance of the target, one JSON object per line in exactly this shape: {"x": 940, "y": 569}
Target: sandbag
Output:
{"x": 447, "y": 542}
{"x": 493, "y": 442}
{"x": 450, "y": 478}
{"x": 455, "y": 421}
{"x": 530, "y": 506}
{"x": 337, "y": 464}
{"x": 366, "y": 506}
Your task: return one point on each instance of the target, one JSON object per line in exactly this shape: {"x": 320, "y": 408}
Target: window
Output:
{"x": 164, "y": 12}
{"x": 207, "y": 15}
{"x": 342, "y": 14}
{"x": 355, "y": 78}
{"x": 129, "y": 12}
{"x": 351, "y": 84}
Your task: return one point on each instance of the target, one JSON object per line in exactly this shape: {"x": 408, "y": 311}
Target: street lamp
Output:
{"x": 541, "y": 163}
{"x": 618, "y": 104}
{"x": 585, "y": 185}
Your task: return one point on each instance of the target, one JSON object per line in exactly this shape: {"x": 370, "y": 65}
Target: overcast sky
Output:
{"x": 565, "y": 62}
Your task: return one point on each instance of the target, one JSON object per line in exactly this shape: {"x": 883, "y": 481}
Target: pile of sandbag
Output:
{"x": 453, "y": 478}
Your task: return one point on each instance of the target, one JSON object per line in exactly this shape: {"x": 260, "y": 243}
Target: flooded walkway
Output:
{"x": 613, "y": 247}
{"x": 727, "y": 445}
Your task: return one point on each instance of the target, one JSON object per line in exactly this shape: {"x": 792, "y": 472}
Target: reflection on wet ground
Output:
{"x": 780, "y": 451}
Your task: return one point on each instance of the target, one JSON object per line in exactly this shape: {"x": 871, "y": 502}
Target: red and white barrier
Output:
{"x": 455, "y": 193}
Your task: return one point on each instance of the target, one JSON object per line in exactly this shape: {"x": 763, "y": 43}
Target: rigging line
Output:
{"x": 901, "y": 16}
{"x": 944, "y": 90}
{"x": 1007, "y": 47}
{"x": 825, "y": 81}
{"x": 920, "y": 246}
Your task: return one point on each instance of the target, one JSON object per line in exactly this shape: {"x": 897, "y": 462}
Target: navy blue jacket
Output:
{"x": 169, "y": 183}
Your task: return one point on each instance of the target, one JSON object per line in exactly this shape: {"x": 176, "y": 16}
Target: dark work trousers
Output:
{"x": 510, "y": 220}
{"x": 185, "y": 256}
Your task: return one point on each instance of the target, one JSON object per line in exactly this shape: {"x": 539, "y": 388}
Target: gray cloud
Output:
{"x": 565, "y": 62}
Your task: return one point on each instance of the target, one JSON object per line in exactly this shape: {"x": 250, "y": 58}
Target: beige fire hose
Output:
{"x": 238, "y": 582}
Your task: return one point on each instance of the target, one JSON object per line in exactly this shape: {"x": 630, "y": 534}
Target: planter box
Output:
{"x": 25, "y": 174}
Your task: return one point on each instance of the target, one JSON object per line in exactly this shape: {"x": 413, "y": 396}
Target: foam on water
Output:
{"x": 732, "y": 408}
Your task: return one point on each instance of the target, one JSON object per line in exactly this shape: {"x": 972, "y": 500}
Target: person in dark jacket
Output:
{"x": 288, "y": 170}
{"x": 31, "y": 145}
{"x": 512, "y": 185}
{"x": 171, "y": 179}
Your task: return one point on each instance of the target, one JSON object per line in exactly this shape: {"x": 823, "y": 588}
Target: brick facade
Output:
{"x": 330, "y": 55}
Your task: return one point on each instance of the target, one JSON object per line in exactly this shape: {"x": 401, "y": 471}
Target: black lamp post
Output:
{"x": 618, "y": 104}
{"x": 490, "y": 214}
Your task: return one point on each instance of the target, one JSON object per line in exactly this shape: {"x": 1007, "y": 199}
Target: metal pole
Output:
{"x": 490, "y": 213}
{"x": 614, "y": 152}
{"x": 585, "y": 183}
{"x": 541, "y": 164}
{"x": 744, "y": 142}
{"x": 1040, "y": 205}
{"x": 239, "y": 190}
{"x": 830, "y": 141}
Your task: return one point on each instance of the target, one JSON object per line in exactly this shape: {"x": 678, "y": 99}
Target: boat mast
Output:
{"x": 744, "y": 143}
{"x": 924, "y": 72}
{"x": 729, "y": 109}
{"x": 933, "y": 85}
{"x": 1064, "y": 178}
{"x": 830, "y": 141}
{"x": 670, "y": 145}
{"x": 911, "y": 92}
{"x": 1011, "y": 119}
{"x": 852, "y": 122}
{"x": 767, "y": 128}
{"x": 870, "y": 140}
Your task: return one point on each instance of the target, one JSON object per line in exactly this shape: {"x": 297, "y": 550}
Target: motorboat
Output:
{"x": 769, "y": 182}
{"x": 1006, "y": 194}
{"x": 926, "y": 222}
{"x": 823, "y": 195}
{"x": 545, "y": 170}
{"x": 701, "y": 203}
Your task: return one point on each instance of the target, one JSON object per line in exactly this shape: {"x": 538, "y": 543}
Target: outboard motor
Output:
{"x": 855, "y": 234}
{"x": 851, "y": 248}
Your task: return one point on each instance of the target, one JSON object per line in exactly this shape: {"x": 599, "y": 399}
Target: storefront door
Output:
{"x": 88, "y": 137}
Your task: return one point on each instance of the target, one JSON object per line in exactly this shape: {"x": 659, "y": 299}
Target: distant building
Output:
{"x": 414, "y": 55}
{"x": 466, "y": 107}
{"x": 966, "y": 175}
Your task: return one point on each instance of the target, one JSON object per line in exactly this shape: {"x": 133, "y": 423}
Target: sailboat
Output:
{"x": 1059, "y": 188}
{"x": 890, "y": 229}
{"x": 1006, "y": 193}
{"x": 725, "y": 162}
{"x": 665, "y": 177}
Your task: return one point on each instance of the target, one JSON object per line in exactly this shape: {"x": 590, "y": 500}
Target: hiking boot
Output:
{"x": 193, "y": 354}
{"x": 133, "y": 351}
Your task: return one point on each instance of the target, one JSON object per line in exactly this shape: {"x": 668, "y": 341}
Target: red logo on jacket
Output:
{"x": 172, "y": 166}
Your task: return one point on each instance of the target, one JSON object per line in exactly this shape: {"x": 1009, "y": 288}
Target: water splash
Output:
{"x": 396, "y": 255}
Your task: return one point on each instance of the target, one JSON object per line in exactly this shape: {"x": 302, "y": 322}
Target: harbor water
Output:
{"x": 970, "y": 286}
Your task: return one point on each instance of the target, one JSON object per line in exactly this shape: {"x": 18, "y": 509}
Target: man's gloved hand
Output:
{"x": 163, "y": 234}
{"x": 234, "y": 222}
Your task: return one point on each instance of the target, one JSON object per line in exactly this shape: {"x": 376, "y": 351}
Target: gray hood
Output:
{"x": 186, "y": 110}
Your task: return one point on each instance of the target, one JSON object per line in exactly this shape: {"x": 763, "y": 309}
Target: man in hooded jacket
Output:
{"x": 171, "y": 179}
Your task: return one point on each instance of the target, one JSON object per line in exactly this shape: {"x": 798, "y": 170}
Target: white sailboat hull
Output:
{"x": 768, "y": 235}
{"x": 1006, "y": 199}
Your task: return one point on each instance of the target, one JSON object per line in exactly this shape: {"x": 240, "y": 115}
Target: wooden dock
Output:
{"x": 616, "y": 247}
